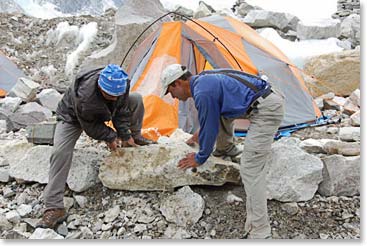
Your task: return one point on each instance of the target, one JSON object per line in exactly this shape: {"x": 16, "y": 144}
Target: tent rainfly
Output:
{"x": 207, "y": 43}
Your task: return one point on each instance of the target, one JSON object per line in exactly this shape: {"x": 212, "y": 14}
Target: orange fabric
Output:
{"x": 2, "y": 93}
{"x": 232, "y": 41}
{"x": 200, "y": 60}
{"x": 159, "y": 115}
{"x": 168, "y": 44}
{"x": 251, "y": 36}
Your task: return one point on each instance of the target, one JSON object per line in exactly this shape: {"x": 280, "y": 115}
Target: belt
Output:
{"x": 256, "y": 102}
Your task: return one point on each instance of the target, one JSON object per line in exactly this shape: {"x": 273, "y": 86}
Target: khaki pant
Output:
{"x": 265, "y": 120}
{"x": 65, "y": 138}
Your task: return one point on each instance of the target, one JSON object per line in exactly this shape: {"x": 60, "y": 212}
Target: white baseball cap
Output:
{"x": 169, "y": 75}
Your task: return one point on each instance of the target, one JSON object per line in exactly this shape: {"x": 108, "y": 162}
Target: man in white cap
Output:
{"x": 221, "y": 96}
{"x": 96, "y": 96}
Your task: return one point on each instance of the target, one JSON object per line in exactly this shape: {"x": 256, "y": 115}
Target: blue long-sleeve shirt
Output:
{"x": 217, "y": 95}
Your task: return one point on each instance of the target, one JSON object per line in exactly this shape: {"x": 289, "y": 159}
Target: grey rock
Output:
{"x": 341, "y": 176}
{"x": 312, "y": 146}
{"x": 68, "y": 203}
{"x": 10, "y": 104}
{"x": 231, "y": 198}
{"x": 62, "y": 230}
{"x": 40, "y": 233}
{"x": 33, "y": 107}
{"x": 332, "y": 147}
{"x": 355, "y": 119}
{"x": 355, "y": 97}
{"x": 3, "y": 126}
{"x": 20, "y": 120}
{"x": 13, "y": 216}
{"x": 350, "y": 133}
{"x": 291, "y": 208}
{"x": 4, "y": 174}
{"x": 155, "y": 168}
{"x": 326, "y": 29}
{"x": 41, "y": 133}
{"x": 86, "y": 233}
{"x": 24, "y": 210}
{"x": 25, "y": 89}
{"x": 350, "y": 29}
{"x": 337, "y": 72}
{"x": 8, "y": 192}
{"x": 49, "y": 98}
{"x": 4, "y": 223}
{"x": 175, "y": 232}
{"x": 74, "y": 235}
{"x": 139, "y": 228}
{"x": 84, "y": 169}
{"x": 31, "y": 222}
{"x": 183, "y": 208}
{"x": 81, "y": 200}
{"x": 263, "y": 18}
{"x": 33, "y": 166}
{"x": 301, "y": 171}
{"x": 112, "y": 214}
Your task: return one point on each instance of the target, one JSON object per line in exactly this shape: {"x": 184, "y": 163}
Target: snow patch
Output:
{"x": 62, "y": 32}
{"x": 86, "y": 36}
{"x": 45, "y": 11}
{"x": 298, "y": 52}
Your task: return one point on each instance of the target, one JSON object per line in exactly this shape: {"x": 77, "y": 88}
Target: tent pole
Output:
{"x": 184, "y": 16}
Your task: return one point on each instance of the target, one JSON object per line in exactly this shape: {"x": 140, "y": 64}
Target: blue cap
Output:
{"x": 113, "y": 80}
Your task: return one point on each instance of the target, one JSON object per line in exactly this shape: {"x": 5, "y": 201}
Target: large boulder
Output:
{"x": 34, "y": 164}
{"x": 335, "y": 72}
{"x": 154, "y": 167}
{"x": 293, "y": 174}
{"x": 350, "y": 29}
{"x": 318, "y": 30}
{"x": 263, "y": 18}
{"x": 341, "y": 176}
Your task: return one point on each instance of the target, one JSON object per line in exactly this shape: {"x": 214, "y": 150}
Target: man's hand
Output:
{"x": 194, "y": 139}
{"x": 129, "y": 143}
{"x": 187, "y": 162}
{"x": 112, "y": 145}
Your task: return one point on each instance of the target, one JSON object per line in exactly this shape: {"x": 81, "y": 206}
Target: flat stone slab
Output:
{"x": 154, "y": 167}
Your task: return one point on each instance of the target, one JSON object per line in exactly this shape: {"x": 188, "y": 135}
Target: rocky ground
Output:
{"x": 319, "y": 218}
{"x": 24, "y": 40}
{"x": 103, "y": 213}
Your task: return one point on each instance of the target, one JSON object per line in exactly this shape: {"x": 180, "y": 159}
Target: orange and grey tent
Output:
{"x": 9, "y": 73}
{"x": 207, "y": 43}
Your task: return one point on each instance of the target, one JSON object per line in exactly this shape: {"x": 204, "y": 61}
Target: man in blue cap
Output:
{"x": 96, "y": 96}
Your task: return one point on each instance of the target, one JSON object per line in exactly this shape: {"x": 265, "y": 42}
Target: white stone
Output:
{"x": 49, "y": 98}
{"x": 154, "y": 167}
{"x": 40, "y": 233}
{"x": 293, "y": 174}
{"x": 183, "y": 208}
{"x": 25, "y": 89}
{"x": 341, "y": 176}
{"x": 13, "y": 216}
{"x": 350, "y": 133}
{"x": 24, "y": 210}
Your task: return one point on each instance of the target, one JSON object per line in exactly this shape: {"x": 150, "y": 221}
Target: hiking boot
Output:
{"x": 140, "y": 140}
{"x": 51, "y": 218}
{"x": 232, "y": 155}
